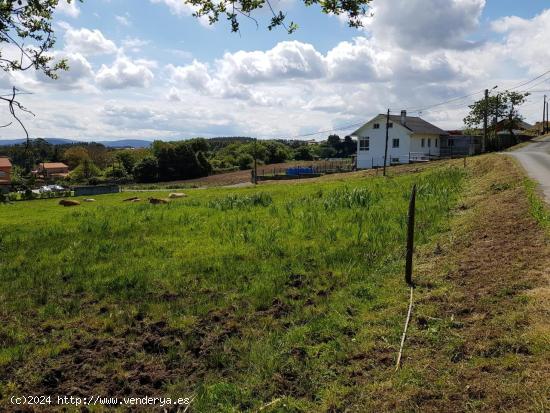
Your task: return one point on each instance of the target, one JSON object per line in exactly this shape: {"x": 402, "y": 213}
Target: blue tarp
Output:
{"x": 299, "y": 171}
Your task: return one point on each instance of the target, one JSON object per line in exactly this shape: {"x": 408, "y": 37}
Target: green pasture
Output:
{"x": 261, "y": 294}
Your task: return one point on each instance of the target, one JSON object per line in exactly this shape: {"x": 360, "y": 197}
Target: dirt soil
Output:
{"x": 480, "y": 336}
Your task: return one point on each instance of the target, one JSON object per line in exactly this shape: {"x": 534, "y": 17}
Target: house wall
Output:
{"x": 375, "y": 155}
{"x": 416, "y": 144}
{"x": 5, "y": 175}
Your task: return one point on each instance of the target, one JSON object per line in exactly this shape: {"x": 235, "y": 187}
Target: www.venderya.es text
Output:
{"x": 95, "y": 400}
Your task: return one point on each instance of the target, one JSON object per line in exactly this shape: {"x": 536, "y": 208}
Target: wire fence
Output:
{"x": 306, "y": 169}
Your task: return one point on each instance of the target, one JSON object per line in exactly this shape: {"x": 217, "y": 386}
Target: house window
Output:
{"x": 2, "y": 174}
{"x": 395, "y": 143}
{"x": 390, "y": 125}
{"x": 364, "y": 144}
{"x": 394, "y": 160}
{"x": 376, "y": 126}
{"x": 423, "y": 144}
{"x": 429, "y": 143}
{"x": 435, "y": 141}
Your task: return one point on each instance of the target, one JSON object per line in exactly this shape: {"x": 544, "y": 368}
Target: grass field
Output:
{"x": 238, "y": 297}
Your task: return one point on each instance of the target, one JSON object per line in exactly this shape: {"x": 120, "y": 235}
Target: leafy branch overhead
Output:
{"x": 233, "y": 10}
{"x": 26, "y": 29}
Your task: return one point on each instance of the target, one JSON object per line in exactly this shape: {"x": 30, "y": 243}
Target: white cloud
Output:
{"x": 194, "y": 75}
{"x": 87, "y": 42}
{"x": 78, "y": 76}
{"x": 425, "y": 24}
{"x": 123, "y": 20}
{"x": 125, "y": 73}
{"x": 287, "y": 60}
{"x": 527, "y": 40}
{"x": 182, "y": 8}
{"x": 69, "y": 9}
{"x": 134, "y": 44}
{"x": 420, "y": 56}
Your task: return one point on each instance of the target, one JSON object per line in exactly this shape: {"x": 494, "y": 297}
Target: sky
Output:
{"x": 148, "y": 69}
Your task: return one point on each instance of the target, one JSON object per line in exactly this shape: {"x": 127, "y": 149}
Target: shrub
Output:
{"x": 245, "y": 161}
{"x": 146, "y": 170}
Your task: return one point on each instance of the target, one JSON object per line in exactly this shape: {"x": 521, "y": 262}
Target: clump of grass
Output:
{"x": 538, "y": 208}
{"x": 241, "y": 201}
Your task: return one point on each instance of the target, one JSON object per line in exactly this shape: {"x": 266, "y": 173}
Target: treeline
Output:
{"x": 168, "y": 161}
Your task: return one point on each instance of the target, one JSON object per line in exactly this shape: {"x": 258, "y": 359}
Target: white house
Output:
{"x": 410, "y": 139}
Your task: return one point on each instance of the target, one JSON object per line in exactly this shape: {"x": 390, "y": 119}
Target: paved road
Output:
{"x": 535, "y": 158}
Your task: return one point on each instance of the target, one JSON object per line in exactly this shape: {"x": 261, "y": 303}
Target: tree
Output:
{"x": 75, "y": 155}
{"x": 26, "y": 25}
{"x": 303, "y": 153}
{"x": 233, "y": 10}
{"x": 85, "y": 171}
{"x": 99, "y": 154}
{"x": 205, "y": 165}
{"x": 503, "y": 105}
{"x": 199, "y": 144}
{"x": 277, "y": 152}
{"x": 146, "y": 170}
{"x": 349, "y": 147}
{"x": 334, "y": 141}
{"x": 126, "y": 159}
{"x": 245, "y": 161}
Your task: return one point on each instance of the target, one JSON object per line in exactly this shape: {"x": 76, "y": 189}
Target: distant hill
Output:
{"x": 122, "y": 143}
{"x": 125, "y": 143}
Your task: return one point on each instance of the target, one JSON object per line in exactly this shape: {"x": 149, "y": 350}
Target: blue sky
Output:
{"x": 147, "y": 69}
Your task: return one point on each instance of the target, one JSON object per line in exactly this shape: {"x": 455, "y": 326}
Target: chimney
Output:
{"x": 403, "y": 117}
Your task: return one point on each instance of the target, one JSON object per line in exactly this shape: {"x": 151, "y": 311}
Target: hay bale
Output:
{"x": 89, "y": 200}
{"x": 68, "y": 202}
{"x": 132, "y": 199}
{"x": 174, "y": 195}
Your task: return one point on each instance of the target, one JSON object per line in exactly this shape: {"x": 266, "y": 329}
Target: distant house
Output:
{"x": 519, "y": 127}
{"x": 5, "y": 173}
{"x": 410, "y": 139}
{"x": 52, "y": 170}
{"x": 456, "y": 143}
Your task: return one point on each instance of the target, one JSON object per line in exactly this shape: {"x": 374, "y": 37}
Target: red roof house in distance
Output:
{"x": 5, "y": 172}
{"x": 53, "y": 170}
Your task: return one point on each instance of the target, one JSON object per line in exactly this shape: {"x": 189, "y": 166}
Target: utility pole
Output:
{"x": 547, "y": 125}
{"x": 387, "y": 135}
{"x": 496, "y": 120}
{"x": 255, "y": 162}
{"x": 543, "y": 129}
{"x": 485, "y": 115}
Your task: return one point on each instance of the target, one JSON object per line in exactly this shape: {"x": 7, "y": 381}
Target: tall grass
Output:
{"x": 308, "y": 275}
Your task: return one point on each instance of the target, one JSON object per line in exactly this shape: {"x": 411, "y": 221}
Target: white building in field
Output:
{"x": 410, "y": 139}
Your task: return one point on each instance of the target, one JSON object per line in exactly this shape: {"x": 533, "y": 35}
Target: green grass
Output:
{"x": 266, "y": 292}
{"x": 538, "y": 208}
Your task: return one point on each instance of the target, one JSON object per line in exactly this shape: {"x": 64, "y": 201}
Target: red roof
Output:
{"x": 53, "y": 165}
{"x": 5, "y": 162}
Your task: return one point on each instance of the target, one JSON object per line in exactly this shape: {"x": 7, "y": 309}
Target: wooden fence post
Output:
{"x": 408, "y": 271}
{"x": 410, "y": 239}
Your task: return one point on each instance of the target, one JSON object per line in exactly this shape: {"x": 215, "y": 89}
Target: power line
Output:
{"x": 444, "y": 102}
{"x": 529, "y": 81}
{"x": 426, "y": 108}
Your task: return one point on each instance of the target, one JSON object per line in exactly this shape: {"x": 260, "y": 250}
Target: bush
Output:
{"x": 116, "y": 172}
{"x": 85, "y": 171}
{"x": 303, "y": 153}
{"x": 245, "y": 161}
{"x": 146, "y": 170}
